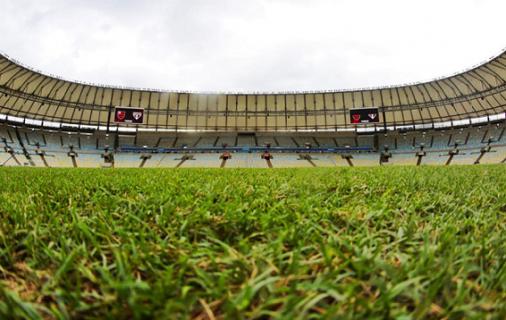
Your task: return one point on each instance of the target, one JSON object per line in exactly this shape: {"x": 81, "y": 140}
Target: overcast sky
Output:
{"x": 254, "y": 45}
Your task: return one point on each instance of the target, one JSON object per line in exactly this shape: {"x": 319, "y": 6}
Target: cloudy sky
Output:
{"x": 254, "y": 45}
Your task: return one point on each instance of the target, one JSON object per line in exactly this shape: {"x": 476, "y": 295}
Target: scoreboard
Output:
{"x": 128, "y": 115}
{"x": 364, "y": 115}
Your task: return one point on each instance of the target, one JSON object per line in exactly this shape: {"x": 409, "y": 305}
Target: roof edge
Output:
{"x": 45, "y": 74}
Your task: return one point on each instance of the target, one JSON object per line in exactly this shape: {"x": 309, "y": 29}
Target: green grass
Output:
{"x": 374, "y": 243}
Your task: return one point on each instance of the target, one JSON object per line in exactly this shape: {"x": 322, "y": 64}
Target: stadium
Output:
{"x": 50, "y": 122}
{"x": 119, "y": 202}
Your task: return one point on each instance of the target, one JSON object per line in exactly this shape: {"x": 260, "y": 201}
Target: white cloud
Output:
{"x": 254, "y": 45}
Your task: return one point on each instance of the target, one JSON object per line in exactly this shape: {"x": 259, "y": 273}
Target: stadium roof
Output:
{"x": 31, "y": 96}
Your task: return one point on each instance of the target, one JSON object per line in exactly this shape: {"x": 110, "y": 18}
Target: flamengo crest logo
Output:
{"x": 356, "y": 118}
{"x": 120, "y": 115}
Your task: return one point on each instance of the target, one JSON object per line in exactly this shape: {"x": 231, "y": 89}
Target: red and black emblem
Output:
{"x": 120, "y": 115}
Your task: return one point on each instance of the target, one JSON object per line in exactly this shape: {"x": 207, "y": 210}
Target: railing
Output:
{"x": 245, "y": 149}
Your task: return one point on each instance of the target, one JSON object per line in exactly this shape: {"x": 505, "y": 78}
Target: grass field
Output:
{"x": 404, "y": 242}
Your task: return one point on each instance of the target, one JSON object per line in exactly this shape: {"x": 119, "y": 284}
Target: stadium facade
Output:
{"x": 48, "y": 121}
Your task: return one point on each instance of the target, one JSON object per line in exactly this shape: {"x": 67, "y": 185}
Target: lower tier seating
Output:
{"x": 48, "y": 148}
